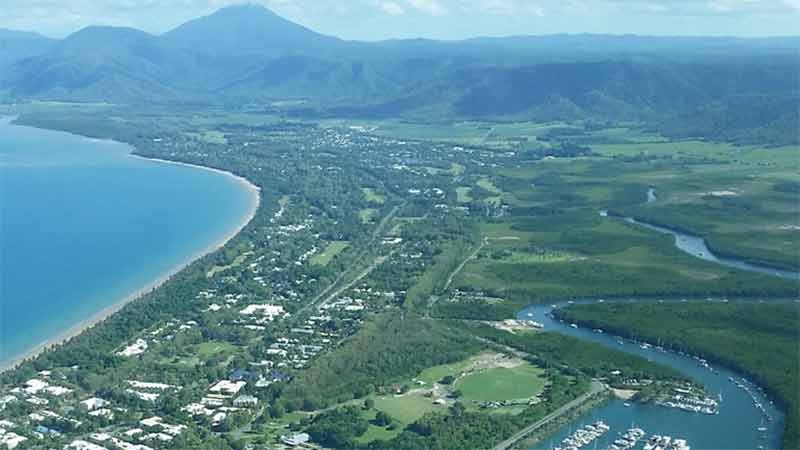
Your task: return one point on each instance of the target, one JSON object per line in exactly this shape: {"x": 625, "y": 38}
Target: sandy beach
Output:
{"x": 255, "y": 200}
{"x": 624, "y": 394}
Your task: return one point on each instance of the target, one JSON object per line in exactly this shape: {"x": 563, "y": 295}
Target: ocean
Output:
{"x": 84, "y": 225}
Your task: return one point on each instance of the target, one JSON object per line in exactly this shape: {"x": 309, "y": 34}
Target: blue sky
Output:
{"x": 441, "y": 19}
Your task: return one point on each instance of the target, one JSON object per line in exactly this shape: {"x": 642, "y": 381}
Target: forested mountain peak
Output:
{"x": 97, "y": 38}
{"x": 246, "y": 29}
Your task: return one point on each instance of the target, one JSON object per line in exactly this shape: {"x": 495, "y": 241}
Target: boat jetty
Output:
{"x": 657, "y": 442}
{"x": 689, "y": 401}
{"x": 584, "y": 436}
{"x": 753, "y": 390}
{"x": 628, "y": 440}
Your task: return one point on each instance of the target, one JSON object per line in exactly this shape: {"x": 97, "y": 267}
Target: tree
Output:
{"x": 458, "y": 409}
{"x": 448, "y": 379}
{"x": 382, "y": 419}
{"x": 339, "y": 427}
{"x": 277, "y": 410}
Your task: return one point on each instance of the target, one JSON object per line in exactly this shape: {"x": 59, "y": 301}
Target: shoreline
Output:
{"x": 78, "y": 329}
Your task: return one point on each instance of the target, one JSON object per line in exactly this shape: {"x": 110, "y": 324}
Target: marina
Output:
{"x": 587, "y": 436}
{"x": 743, "y": 418}
{"x": 584, "y": 436}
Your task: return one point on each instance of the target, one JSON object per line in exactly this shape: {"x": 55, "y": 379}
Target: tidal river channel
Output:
{"x": 747, "y": 419}
{"x": 697, "y": 247}
{"x": 740, "y": 423}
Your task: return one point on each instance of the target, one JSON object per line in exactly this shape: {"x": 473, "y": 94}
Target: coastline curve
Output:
{"x": 253, "y": 205}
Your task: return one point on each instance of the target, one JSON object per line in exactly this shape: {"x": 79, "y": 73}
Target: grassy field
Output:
{"x": 330, "y": 252}
{"x": 210, "y": 137}
{"x": 376, "y": 433}
{"x": 406, "y": 408}
{"x": 235, "y": 263}
{"x": 487, "y": 185}
{"x": 433, "y": 375}
{"x": 665, "y": 148}
{"x": 495, "y": 135}
{"x": 456, "y": 169}
{"x": 522, "y": 257}
{"x": 496, "y": 198}
{"x": 463, "y": 194}
{"x": 367, "y": 215}
{"x": 372, "y": 197}
{"x": 517, "y": 383}
{"x": 210, "y": 349}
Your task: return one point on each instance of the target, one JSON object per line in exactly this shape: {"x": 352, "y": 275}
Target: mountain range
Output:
{"x": 249, "y": 54}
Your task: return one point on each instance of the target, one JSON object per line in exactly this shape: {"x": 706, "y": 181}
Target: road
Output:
{"x": 378, "y": 261}
{"x": 461, "y": 266}
{"x": 596, "y": 388}
{"x": 326, "y": 293}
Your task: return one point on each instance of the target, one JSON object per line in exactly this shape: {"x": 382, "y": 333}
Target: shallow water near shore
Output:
{"x": 85, "y": 225}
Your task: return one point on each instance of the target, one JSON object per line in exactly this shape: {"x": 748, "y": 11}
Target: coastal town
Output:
{"x": 353, "y": 228}
{"x": 265, "y": 314}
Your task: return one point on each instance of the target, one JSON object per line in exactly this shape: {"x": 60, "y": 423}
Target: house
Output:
{"x": 6, "y": 400}
{"x": 240, "y": 375}
{"x": 296, "y": 439}
{"x": 102, "y": 412}
{"x": 244, "y": 401}
{"x": 94, "y": 403}
{"x": 228, "y": 387}
{"x": 11, "y": 440}
{"x": 277, "y": 376}
{"x": 268, "y": 311}
{"x": 44, "y": 430}
{"x": 218, "y": 418}
{"x": 84, "y": 445}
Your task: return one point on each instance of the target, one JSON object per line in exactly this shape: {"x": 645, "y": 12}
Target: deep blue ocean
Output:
{"x": 83, "y": 225}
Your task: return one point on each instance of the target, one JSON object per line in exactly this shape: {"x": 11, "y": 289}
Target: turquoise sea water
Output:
{"x": 83, "y": 225}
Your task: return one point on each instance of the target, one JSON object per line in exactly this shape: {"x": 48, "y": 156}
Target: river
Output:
{"x": 697, "y": 247}
{"x": 735, "y": 427}
{"x": 740, "y": 424}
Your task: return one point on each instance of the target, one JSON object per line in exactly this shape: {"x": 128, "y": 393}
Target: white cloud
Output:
{"x": 431, "y": 7}
{"x": 793, "y": 4}
{"x": 503, "y": 7}
{"x": 390, "y": 8}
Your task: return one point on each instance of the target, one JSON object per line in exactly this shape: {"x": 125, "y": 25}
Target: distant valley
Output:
{"x": 735, "y": 89}
{"x": 529, "y": 242}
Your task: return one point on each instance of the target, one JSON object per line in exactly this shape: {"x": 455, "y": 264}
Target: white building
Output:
{"x": 268, "y": 311}
{"x": 245, "y": 401}
{"x": 296, "y": 439}
{"x": 94, "y": 403}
